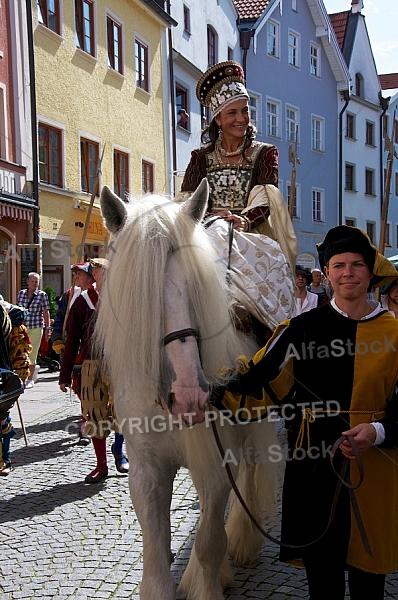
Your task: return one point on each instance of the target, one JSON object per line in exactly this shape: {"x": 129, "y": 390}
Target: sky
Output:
{"x": 381, "y": 18}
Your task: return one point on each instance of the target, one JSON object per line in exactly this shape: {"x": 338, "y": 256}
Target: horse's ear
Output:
{"x": 113, "y": 210}
{"x": 195, "y": 207}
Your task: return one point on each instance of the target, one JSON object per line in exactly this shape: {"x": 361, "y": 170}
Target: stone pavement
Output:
{"x": 61, "y": 538}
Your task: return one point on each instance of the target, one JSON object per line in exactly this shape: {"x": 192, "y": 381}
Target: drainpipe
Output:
{"x": 35, "y": 158}
{"x": 244, "y": 40}
{"x": 346, "y": 98}
{"x": 173, "y": 116}
{"x": 384, "y": 103}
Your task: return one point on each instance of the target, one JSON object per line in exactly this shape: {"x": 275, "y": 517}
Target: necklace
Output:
{"x": 224, "y": 152}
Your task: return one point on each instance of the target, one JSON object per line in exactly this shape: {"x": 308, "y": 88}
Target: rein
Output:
{"x": 344, "y": 479}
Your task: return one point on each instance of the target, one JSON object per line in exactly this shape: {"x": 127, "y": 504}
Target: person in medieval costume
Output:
{"x": 243, "y": 179}
{"x": 335, "y": 368}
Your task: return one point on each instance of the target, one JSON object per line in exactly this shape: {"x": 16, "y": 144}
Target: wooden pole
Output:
{"x": 293, "y": 158}
{"x": 22, "y": 424}
{"x": 81, "y": 252}
{"x": 388, "y": 145}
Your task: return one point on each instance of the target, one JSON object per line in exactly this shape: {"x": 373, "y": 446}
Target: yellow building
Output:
{"x": 101, "y": 79}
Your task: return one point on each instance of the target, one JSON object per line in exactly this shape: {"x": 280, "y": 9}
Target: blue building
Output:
{"x": 297, "y": 79}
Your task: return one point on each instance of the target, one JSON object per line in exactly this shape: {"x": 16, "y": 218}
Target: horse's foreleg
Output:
{"x": 208, "y": 570}
{"x": 151, "y": 492}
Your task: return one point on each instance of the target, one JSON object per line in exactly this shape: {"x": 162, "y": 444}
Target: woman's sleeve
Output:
{"x": 267, "y": 168}
{"x": 20, "y": 348}
{"x": 194, "y": 173}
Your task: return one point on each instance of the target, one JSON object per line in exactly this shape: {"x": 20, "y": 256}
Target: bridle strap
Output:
{"x": 181, "y": 334}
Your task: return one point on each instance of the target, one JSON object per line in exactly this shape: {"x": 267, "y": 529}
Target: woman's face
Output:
{"x": 234, "y": 119}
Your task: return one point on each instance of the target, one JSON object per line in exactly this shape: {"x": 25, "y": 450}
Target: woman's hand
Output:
{"x": 364, "y": 435}
{"x": 240, "y": 224}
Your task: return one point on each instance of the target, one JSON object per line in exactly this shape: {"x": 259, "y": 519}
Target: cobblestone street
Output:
{"x": 61, "y": 538}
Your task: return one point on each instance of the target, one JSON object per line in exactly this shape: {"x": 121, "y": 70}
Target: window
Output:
{"x": 315, "y": 61}
{"x": 359, "y": 85}
{"x": 255, "y": 110}
{"x": 141, "y": 65}
{"x": 187, "y": 20}
{"x": 3, "y": 123}
{"x": 317, "y": 205}
{"x": 396, "y": 183}
{"x": 295, "y": 211}
{"x": 182, "y": 106}
{"x": 317, "y": 128}
{"x": 370, "y": 230}
{"x": 350, "y": 222}
{"x": 48, "y": 14}
{"x": 370, "y": 137}
{"x": 350, "y": 126}
{"x": 369, "y": 182}
{"x": 211, "y": 46}
{"x": 291, "y": 124}
{"x": 272, "y": 119}
{"x": 230, "y": 53}
{"x": 293, "y": 49}
{"x": 114, "y": 40}
{"x": 50, "y": 155}
{"x": 89, "y": 159}
{"x": 147, "y": 177}
{"x": 349, "y": 177}
{"x": 121, "y": 173}
{"x": 272, "y": 39}
{"x": 84, "y": 20}
{"x": 387, "y": 240}
{"x": 396, "y": 132}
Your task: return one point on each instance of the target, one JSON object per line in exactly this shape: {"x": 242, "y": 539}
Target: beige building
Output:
{"x": 100, "y": 93}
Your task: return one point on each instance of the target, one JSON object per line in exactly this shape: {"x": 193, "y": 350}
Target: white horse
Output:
{"x": 164, "y": 278}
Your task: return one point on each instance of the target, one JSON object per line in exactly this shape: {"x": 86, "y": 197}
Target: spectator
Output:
{"x": 37, "y": 305}
{"x": 389, "y": 299}
{"x": 317, "y": 287}
{"x": 305, "y": 300}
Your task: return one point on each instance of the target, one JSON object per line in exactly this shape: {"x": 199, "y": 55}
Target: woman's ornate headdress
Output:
{"x": 222, "y": 84}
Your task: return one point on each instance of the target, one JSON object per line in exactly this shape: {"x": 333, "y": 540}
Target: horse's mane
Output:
{"x": 129, "y": 328}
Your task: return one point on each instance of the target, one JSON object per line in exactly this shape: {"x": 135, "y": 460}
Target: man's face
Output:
{"x": 393, "y": 293}
{"x": 301, "y": 281}
{"x": 83, "y": 280}
{"x": 33, "y": 283}
{"x": 349, "y": 276}
{"x": 316, "y": 277}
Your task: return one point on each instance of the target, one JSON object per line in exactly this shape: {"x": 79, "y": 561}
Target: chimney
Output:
{"x": 356, "y": 6}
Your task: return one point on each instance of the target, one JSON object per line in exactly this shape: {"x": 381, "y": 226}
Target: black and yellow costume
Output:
{"x": 351, "y": 367}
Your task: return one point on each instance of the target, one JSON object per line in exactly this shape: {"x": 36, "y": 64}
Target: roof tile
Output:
{"x": 251, "y": 9}
{"x": 339, "y": 23}
{"x": 388, "y": 81}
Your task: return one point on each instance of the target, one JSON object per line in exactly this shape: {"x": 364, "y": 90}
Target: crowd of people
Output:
{"x": 326, "y": 342}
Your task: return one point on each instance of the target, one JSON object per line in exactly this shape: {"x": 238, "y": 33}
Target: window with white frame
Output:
{"x": 291, "y": 123}
{"x": 317, "y": 134}
{"x": 272, "y": 118}
{"x": 141, "y": 60}
{"x": 49, "y": 14}
{"x": 84, "y": 22}
{"x": 273, "y": 39}
{"x": 387, "y": 241}
{"x": 255, "y": 110}
{"x": 114, "y": 44}
{"x": 295, "y": 208}
{"x": 315, "y": 58}
{"x": 187, "y": 20}
{"x": 293, "y": 49}
{"x": 396, "y": 183}
{"x": 317, "y": 204}
{"x": 370, "y": 230}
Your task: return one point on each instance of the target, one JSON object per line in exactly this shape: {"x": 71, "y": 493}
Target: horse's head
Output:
{"x": 162, "y": 294}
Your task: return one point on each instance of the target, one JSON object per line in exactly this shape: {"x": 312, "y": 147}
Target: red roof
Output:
{"x": 339, "y": 22}
{"x": 389, "y": 81}
{"x": 251, "y": 9}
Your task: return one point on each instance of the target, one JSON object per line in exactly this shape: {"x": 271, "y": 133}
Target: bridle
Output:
{"x": 181, "y": 334}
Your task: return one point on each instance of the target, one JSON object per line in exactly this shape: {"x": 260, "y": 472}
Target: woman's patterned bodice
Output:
{"x": 230, "y": 184}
